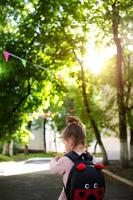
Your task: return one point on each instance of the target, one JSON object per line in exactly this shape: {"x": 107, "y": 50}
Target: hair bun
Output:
{"x": 71, "y": 119}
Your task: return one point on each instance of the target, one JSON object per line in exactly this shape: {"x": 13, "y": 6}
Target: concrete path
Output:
{"x": 41, "y": 185}
{"x": 44, "y": 186}
{"x": 23, "y": 167}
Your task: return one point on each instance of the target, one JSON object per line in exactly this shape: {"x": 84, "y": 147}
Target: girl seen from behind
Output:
{"x": 74, "y": 139}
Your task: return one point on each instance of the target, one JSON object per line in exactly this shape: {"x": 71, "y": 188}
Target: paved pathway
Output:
{"x": 45, "y": 186}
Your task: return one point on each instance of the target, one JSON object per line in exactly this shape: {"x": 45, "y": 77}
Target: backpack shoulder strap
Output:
{"x": 84, "y": 157}
{"x": 72, "y": 155}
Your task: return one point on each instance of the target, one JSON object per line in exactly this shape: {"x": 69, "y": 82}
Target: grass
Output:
{"x": 22, "y": 156}
{"x": 97, "y": 155}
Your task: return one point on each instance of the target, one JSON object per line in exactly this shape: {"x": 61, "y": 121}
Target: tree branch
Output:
{"x": 22, "y": 99}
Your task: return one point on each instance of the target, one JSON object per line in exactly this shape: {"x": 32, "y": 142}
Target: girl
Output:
{"x": 74, "y": 139}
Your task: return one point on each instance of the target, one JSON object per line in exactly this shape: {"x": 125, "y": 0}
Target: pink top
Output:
{"x": 62, "y": 167}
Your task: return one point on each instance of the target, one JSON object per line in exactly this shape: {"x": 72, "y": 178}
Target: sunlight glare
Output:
{"x": 23, "y": 167}
{"x": 96, "y": 59}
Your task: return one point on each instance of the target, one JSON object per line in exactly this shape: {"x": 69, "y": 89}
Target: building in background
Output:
{"x": 53, "y": 141}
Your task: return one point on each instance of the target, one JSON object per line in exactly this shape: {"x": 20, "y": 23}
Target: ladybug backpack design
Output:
{"x": 86, "y": 180}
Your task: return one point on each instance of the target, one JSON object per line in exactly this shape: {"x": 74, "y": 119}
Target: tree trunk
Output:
{"x": 119, "y": 87}
{"x": 131, "y": 144}
{"x": 26, "y": 151}
{"x": 90, "y": 117}
{"x": 11, "y": 148}
{"x": 55, "y": 141}
{"x": 44, "y": 134}
{"x": 5, "y": 150}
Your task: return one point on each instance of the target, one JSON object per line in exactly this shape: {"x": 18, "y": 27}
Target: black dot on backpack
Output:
{"x": 81, "y": 194}
{"x": 91, "y": 197}
{"x": 85, "y": 180}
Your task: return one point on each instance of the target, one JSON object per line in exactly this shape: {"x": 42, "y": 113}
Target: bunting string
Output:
{"x": 24, "y": 62}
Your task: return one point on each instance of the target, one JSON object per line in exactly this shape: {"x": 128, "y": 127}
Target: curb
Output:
{"x": 124, "y": 180}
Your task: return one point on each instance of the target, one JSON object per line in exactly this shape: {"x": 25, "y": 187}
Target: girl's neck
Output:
{"x": 79, "y": 148}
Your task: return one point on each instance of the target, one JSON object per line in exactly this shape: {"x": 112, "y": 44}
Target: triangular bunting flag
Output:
{"x": 6, "y": 55}
{"x": 23, "y": 62}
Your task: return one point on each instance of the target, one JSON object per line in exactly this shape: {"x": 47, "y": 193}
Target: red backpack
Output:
{"x": 86, "y": 180}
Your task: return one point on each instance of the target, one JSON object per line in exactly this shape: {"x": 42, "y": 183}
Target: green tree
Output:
{"x": 30, "y": 87}
{"x": 108, "y": 20}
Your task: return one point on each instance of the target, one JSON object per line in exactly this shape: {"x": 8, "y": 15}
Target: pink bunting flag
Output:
{"x": 6, "y": 55}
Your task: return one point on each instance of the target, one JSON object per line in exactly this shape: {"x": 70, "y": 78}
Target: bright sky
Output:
{"x": 96, "y": 59}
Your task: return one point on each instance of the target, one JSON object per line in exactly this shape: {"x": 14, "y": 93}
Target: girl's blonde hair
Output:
{"x": 75, "y": 130}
